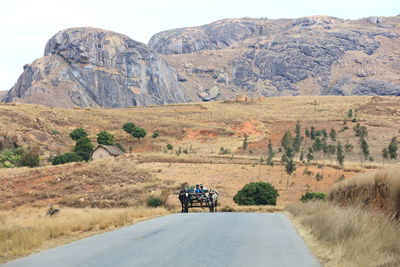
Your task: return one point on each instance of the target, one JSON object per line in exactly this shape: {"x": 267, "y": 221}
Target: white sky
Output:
{"x": 26, "y": 25}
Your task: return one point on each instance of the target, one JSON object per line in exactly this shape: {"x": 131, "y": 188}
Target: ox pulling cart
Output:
{"x": 206, "y": 199}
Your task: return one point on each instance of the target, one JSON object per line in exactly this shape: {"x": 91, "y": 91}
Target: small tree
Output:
{"x": 169, "y": 147}
{"x": 313, "y": 133}
{"x": 307, "y": 133}
{"x": 302, "y": 155}
{"x": 364, "y": 149}
{"x": 154, "y": 135}
{"x": 298, "y": 138}
{"x": 259, "y": 193}
{"x": 332, "y": 135}
{"x": 78, "y": 133}
{"x": 245, "y": 142}
{"x": 392, "y": 148}
{"x": 139, "y": 133}
{"x": 286, "y": 140}
{"x": 84, "y": 148}
{"x": 105, "y": 138}
{"x": 350, "y": 113}
{"x": 290, "y": 168}
{"x": 340, "y": 155}
{"x": 128, "y": 127}
{"x": 270, "y": 156}
{"x": 317, "y": 146}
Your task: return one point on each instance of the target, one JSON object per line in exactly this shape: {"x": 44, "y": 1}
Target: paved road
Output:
{"x": 197, "y": 239}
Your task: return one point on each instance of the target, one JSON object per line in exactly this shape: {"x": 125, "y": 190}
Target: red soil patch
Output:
{"x": 199, "y": 134}
{"x": 247, "y": 128}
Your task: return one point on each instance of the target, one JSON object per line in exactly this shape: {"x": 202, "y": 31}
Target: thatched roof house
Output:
{"x": 103, "y": 151}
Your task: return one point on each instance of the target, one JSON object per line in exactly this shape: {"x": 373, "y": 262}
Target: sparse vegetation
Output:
{"x": 313, "y": 196}
{"x": 224, "y": 150}
{"x": 30, "y": 158}
{"x": 154, "y": 202}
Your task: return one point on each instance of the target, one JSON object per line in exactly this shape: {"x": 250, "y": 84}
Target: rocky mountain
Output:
{"x": 2, "y": 95}
{"x": 90, "y": 67}
{"x": 316, "y": 55}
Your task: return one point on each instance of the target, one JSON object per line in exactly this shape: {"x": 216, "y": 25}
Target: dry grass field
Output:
{"x": 206, "y": 126}
{"x": 347, "y": 236}
{"x": 26, "y": 230}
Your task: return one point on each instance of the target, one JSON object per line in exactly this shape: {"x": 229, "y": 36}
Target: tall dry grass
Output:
{"x": 379, "y": 190}
{"x": 27, "y": 229}
{"x": 348, "y": 236}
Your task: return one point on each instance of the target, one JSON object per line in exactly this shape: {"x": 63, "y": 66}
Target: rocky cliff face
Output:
{"x": 93, "y": 67}
{"x": 315, "y": 55}
{"x": 306, "y": 56}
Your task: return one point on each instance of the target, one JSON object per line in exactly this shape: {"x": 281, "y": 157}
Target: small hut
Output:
{"x": 103, "y": 151}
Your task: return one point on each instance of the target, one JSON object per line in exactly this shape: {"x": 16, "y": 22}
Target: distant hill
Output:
{"x": 315, "y": 55}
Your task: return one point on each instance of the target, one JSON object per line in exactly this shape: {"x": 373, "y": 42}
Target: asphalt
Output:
{"x": 197, "y": 239}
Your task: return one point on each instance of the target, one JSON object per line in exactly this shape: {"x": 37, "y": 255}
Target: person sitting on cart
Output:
{"x": 199, "y": 193}
{"x": 203, "y": 189}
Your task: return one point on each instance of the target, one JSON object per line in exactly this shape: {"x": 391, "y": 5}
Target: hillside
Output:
{"x": 200, "y": 130}
{"x": 314, "y": 55}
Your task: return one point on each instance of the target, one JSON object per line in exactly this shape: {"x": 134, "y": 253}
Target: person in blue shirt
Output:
{"x": 199, "y": 192}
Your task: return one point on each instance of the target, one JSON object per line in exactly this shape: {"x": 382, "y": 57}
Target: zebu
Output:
{"x": 213, "y": 200}
{"x": 184, "y": 199}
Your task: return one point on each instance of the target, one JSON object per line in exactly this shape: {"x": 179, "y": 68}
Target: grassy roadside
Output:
{"x": 347, "y": 236}
{"x": 27, "y": 230}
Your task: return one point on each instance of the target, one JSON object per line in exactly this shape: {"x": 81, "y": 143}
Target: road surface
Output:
{"x": 194, "y": 239}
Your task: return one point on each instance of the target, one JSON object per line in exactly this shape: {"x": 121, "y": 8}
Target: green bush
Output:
{"x": 30, "y": 158}
{"x": 105, "y": 138}
{"x": 259, "y": 193}
{"x": 313, "y": 196}
{"x": 84, "y": 148}
{"x": 10, "y": 158}
{"x": 78, "y": 133}
{"x": 65, "y": 158}
{"x": 154, "y": 202}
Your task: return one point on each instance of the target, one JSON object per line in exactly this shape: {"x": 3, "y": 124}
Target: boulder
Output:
{"x": 209, "y": 94}
{"x": 375, "y": 20}
{"x": 93, "y": 67}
